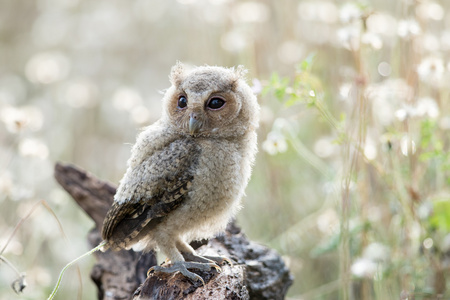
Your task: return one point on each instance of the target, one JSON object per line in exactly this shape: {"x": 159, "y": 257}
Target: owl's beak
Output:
{"x": 194, "y": 123}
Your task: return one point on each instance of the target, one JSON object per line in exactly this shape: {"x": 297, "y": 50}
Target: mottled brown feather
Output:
{"x": 170, "y": 171}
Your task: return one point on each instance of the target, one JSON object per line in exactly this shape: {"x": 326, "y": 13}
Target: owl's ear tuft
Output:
{"x": 177, "y": 73}
{"x": 241, "y": 72}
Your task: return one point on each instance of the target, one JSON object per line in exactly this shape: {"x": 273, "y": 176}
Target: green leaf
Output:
{"x": 427, "y": 130}
{"x": 440, "y": 219}
{"x": 306, "y": 64}
{"x": 277, "y": 85}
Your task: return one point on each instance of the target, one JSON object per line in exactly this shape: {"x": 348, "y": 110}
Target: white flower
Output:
{"x": 370, "y": 149}
{"x": 402, "y": 113}
{"x": 431, "y": 70}
{"x": 17, "y": 119}
{"x": 275, "y": 143}
{"x": 429, "y": 42}
{"x": 47, "y": 67}
{"x": 328, "y": 221}
{"x": 381, "y": 23}
{"x": 427, "y": 107}
{"x": 372, "y": 39}
{"x": 386, "y": 98}
{"x": 408, "y": 28}
{"x": 344, "y": 91}
{"x": 430, "y": 10}
{"x": 349, "y": 37}
{"x": 376, "y": 252}
{"x": 349, "y": 12}
{"x": 14, "y": 119}
{"x": 364, "y": 268}
{"x": 33, "y": 148}
{"x": 424, "y": 107}
{"x": 425, "y": 210}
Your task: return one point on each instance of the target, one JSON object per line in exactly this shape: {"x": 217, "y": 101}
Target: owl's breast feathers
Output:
{"x": 150, "y": 191}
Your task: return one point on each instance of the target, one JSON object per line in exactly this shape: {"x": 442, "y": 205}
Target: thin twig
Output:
{"x": 2, "y": 258}
{"x": 52, "y": 295}
{"x": 20, "y": 224}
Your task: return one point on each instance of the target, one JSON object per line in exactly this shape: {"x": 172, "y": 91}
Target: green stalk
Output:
{"x": 52, "y": 295}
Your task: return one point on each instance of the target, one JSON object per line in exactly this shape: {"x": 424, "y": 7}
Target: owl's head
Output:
{"x": 210, "y": 101}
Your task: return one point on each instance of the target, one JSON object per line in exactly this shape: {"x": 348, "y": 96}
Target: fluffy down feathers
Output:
{"x": 183, "y": 182}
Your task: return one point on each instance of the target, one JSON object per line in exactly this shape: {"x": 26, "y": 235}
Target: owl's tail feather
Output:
{"x": 103, "y": 246}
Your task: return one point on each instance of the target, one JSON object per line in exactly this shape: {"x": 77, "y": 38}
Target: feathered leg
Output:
{"x": 178, "y": 263}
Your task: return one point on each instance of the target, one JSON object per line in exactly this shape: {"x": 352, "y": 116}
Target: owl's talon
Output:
{"x": 152, "y": 269}
{"x": 218, "y": 260}
{"x": 183, "y": 267}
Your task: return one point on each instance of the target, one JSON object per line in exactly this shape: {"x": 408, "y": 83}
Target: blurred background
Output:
{"x": 351, "y": 183}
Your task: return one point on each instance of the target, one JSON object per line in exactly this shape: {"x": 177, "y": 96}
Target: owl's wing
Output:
{"x": 150, "y": 191}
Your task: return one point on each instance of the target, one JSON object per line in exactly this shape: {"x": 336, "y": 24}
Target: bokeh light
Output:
{"x": 351, "y": 181}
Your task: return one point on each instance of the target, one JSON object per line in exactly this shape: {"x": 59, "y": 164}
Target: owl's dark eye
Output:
{"x": 182, "y": 102}
{"x": 215, "y": 103}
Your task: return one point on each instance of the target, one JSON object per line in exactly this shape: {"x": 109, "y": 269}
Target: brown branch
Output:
{"x": 93, "y": 195}
{"x": 259, "y": 272}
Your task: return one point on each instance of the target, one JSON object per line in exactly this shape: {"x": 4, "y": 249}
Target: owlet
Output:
{"x": 188, "y": 171}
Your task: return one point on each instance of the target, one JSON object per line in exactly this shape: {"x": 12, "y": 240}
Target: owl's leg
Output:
{"x": 189, "y": 255}
{"x": 178, "y": 264}
{"x": 182, "y": 267}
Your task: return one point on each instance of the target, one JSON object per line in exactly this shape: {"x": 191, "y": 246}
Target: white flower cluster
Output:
{"x": 374, "y": 257}
{"x": 276, "y": 141}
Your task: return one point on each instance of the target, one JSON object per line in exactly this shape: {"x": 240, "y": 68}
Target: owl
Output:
{"x": 189, "y": 170}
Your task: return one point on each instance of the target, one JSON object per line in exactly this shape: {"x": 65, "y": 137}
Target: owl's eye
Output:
{"x": 182, "y": 102}
{"x": 215, "y": 103}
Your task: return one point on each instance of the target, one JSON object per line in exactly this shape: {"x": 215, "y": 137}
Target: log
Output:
{"x": 258, "y": 272}
{"x": 116, "y": 274}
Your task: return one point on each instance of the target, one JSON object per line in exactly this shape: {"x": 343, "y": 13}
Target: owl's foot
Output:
{"x": 183, "y": 266}
{"x": 218, "y": 260}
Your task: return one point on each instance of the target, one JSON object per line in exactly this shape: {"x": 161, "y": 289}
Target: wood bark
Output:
{"x": 258, "y": 272}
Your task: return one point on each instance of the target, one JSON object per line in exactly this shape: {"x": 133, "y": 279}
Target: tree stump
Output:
{"x": 258, "y": 272}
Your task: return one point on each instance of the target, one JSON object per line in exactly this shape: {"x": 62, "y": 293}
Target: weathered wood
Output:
{"x": 116, "y": 274}
{"x": 259, "y": 272}
{"x": 94, "y": 196}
